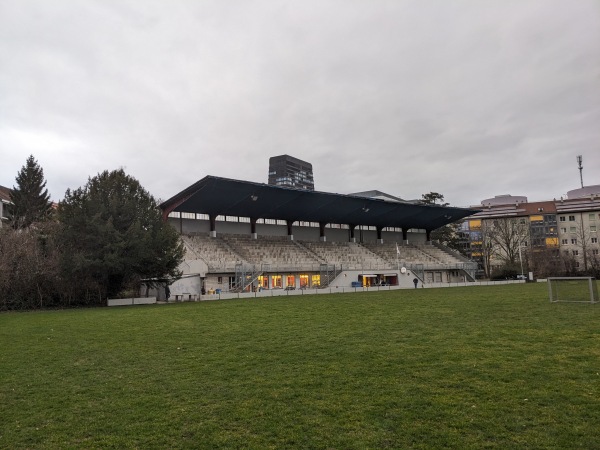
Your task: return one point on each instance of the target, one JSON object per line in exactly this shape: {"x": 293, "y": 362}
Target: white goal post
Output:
{"x": 573, "y": 289}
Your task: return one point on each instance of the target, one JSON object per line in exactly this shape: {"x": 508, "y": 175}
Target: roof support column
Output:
{"x": 213, "y": 225}
{"x": 379, "y": 233}
{"x": 290, "y": 232}
{"x": 405, "y": 235}
{"x": 322, "y": 236}
{"x": 352, "y": 227}
{"x": 428, "y": 236}
{"x": 253, "y": 227}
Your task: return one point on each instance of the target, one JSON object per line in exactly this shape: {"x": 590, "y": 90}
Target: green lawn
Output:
{"x": 476, "y": 367}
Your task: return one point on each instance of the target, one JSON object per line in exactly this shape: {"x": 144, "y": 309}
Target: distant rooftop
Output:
{"x": 585, "y": 191}
{"x": 375, "y": 194}
{"x": 5, "y": 194}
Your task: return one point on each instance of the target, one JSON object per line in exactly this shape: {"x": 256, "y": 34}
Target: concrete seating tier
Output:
{"x": 216, "y": 253}
{"x": 222, "y": 253}
{"x": 277, "y": 251}
{"x": 349, "y": 255}
{"x": 414, "y": 254}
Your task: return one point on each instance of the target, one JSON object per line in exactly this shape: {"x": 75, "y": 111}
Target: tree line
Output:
{"x": 103, "y": 240}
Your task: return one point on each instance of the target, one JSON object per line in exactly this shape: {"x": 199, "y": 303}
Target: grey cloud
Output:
{"x": 466, "y": 98}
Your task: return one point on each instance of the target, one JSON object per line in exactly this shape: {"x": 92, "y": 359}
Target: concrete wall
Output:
{"x": 131, "y": 301}
{"x": 187, "y": 226}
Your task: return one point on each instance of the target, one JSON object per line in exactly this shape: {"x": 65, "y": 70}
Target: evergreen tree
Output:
{"x": 448, "y": 234}
{"x": 30, "y": 200}
{"x": 113, "y": 235}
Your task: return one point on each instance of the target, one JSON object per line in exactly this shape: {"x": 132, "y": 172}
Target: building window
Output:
{"x": 562, "y": 218}
{"x": 592, "y": 216}
{"x": 575, "y": 252}
{"x": 564, "y": 241}
{"x": 593, "y": 228}
{"x": 594, "y": 240}
{"x": 571, "y": 218}
{"x": 577, "y": 265}
{"x": 574, "y": 241}
{"x": 276, "y": 281}
{"x": 316, "y": 280}
{"x": 595, "y": 251}
{"x": 573, "y": 229}
{"x": 263, "y": 281}
{"x": 303, "y": 281}
{"x": 290, "y": 280}
{"x": 563, "y": 229}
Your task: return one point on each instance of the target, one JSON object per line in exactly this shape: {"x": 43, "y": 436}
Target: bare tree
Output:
{"x": 487, "y": 247}
{"x": 507, "y": 236}
{"x": 28, "y": 268}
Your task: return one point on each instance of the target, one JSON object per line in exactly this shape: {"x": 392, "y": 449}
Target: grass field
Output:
{"x": 476, "y": 367}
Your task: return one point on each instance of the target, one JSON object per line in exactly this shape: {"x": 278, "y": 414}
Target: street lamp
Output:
{"x": 521, "y": 260}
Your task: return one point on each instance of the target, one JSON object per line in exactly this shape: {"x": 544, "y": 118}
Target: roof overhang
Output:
{"x": 221, "y": 196}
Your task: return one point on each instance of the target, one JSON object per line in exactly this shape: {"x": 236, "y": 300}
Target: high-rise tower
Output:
{"x": 285, "y": 170}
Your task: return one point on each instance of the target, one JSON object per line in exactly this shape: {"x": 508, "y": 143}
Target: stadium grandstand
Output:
{"x": 243, "y": 236}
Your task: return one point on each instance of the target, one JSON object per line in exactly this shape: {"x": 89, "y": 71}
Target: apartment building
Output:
{"x": 553, "y": 237}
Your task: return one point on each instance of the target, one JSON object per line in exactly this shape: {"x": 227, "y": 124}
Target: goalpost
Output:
{"x": 573, "y": 289}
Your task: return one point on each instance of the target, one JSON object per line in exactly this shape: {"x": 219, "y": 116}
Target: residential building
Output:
{"x": 551, "y": 237}
{"x": 4, "y": 202}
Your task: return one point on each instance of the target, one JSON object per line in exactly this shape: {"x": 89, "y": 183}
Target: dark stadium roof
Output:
{"x": 221, "y": 196}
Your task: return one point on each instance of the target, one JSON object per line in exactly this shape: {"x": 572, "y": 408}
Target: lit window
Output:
{"x": 303, "y": 281}
{"x": 263, "y": 281}
{"x": 276, "y": 281}
{"x": 316, "y": 280}
{"x": 290, "y": 280}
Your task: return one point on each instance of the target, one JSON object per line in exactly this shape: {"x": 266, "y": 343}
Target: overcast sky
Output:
{"x": 467, "y": 98}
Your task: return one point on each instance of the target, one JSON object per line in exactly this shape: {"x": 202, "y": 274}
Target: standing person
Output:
{"x": 416, "y": 281}
{"x": 167, "y": 292}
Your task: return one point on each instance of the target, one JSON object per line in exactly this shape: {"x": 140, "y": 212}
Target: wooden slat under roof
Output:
{"x": 221, "y": 196}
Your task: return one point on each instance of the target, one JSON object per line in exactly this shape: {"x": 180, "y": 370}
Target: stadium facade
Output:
{"x": 243, "y": 236}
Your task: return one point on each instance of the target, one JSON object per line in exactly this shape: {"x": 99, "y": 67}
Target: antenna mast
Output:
{"x": 579, "y": 161}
